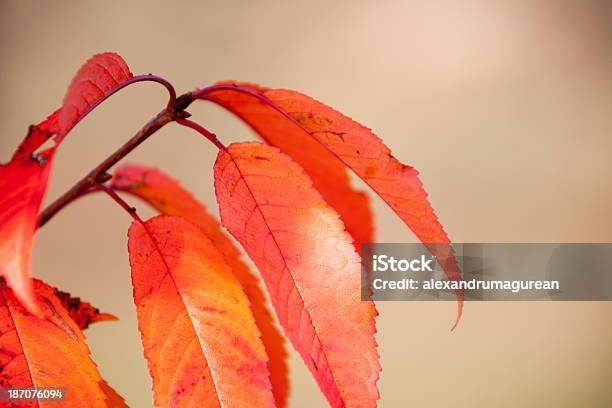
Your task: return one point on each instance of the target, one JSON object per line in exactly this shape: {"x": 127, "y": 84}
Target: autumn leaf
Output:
{"x": 96, "y": 79}
{"x": 82, "y": 313}
{"x": 199, "y": 336}
{"x": 168, "y": 197}
{"x": 297, "y": 123}
{"x": 46, "y": 352}
{"x": 23, "y": 180}
{"x": 309, "y": 265}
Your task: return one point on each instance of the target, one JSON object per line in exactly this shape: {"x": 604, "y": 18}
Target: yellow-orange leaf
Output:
{"x": 309, "y": 265}
{"x": 46, "y": 352}
{"x": 199, "y": 336}
{"x": 167, "y": 196}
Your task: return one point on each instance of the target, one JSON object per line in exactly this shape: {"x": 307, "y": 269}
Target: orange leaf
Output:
{"x": 328, "y": 175}
{"x": 46, "y": 352}
{"x": 96, "y": 79}
{"x": 309, "y": 265}
{"x": 293, "y": 122}
{"x": 198, "y": 333}
{"x": 168, "y": 197}
{"x": 82, "y": 313}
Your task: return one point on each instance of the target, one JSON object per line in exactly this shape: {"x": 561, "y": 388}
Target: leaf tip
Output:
{"x": 104, "y": 317}
{"x": 459, "y": 311}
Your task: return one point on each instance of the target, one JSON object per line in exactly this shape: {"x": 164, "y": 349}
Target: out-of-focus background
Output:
{"x": 505, "y": 107}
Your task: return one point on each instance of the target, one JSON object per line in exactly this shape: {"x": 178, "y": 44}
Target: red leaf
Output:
{"x": 292, "y": 121}
{"x": 167, "y": 196}
{"x": 46, "y": 352}
{"x": 308, "y": 264}
{"x": 96, "y": 79}
{"x": 198, "y": 333}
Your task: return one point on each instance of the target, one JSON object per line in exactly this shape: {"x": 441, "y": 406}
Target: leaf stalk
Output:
{"x": 203, "y": 131}
{"x": 122, "y": 203}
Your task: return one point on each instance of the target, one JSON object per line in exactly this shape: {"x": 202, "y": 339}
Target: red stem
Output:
{"x": 203, "y": 131}
{"x": 112, "y": 194}
{"x": 201, "y": 93}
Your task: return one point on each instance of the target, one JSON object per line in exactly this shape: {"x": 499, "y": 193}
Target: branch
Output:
{"x": 99, "y": 174}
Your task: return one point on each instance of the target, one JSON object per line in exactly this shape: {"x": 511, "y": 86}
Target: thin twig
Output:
{"x": 112, "y": 194}
{"x": 203, "y": 131}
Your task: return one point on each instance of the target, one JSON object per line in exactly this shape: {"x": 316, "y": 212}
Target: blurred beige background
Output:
{"x": 504, "y": 106}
